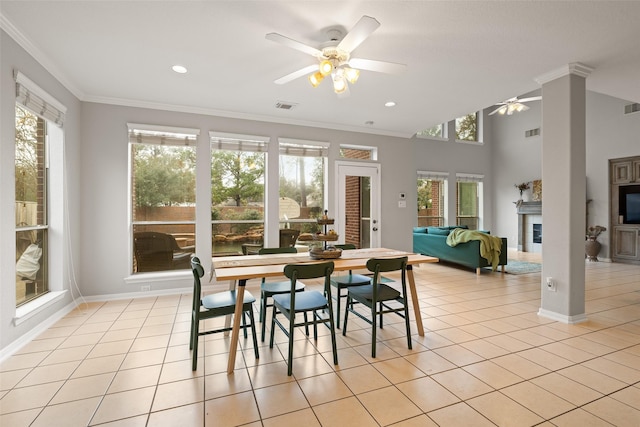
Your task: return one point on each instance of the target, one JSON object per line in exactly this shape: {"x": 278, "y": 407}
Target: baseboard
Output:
{"x": 561, "y": 317}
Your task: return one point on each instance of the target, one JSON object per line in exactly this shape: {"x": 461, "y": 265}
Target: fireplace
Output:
{"x": 530, "y": 215}
{"x": 537, "y": 233}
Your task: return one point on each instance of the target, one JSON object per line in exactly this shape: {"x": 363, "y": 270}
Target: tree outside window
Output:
{"x": 467, "y": 127}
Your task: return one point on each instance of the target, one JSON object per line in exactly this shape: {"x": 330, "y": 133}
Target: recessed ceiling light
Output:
{"x": 179, "y": 69}
{"x": 389, "y": 104}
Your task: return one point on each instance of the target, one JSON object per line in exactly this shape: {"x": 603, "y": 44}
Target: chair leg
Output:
{"x": 253, "y": 332}
{"x": 273, "y": 327}
{"x": 381, "y": 308}
{"x": 374, "y": 330}
{"x": 408, "y": 325}
{"x": 194, "y": 356}
{"x": 334, "y": 346}
{"x": 263, "y": 313}
{"x": 338, "y": 307}
{"x": 193, "y": 317}
{"x": 346, "y": 314}
{"x": 244, "y": 324}
{"x": 291, "y": 330}
{"x": 306, "y": 324}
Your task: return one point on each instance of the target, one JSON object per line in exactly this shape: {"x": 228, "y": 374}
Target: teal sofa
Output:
{"x": 432, "y": 241}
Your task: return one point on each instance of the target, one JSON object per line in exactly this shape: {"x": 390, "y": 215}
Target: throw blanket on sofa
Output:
{"x": 490, "y": 246}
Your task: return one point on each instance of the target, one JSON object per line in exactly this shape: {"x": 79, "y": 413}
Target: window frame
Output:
{"x": 442, "y": 178}
{"x": 477, "y": 219}
{"x": 147, "y": 134}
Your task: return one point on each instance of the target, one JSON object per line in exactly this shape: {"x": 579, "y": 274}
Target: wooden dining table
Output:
{"x": 242, "y": 268}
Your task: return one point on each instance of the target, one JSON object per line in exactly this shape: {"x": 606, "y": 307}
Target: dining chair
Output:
{"x": 294, "y": 303}
{"x": 269, "y": 289}
{"x": 345, "y": 281}
{"x": 156, "y": 251}
{"x": 216, "y": 305}
{"x": 378, "y": 297}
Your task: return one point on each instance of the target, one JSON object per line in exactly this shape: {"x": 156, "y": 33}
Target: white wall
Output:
{"x": 15, "y": 58}
{"x": 610, "y": 134}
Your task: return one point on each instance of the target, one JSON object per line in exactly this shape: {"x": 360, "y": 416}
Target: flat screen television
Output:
{"x": 629, "y": 197}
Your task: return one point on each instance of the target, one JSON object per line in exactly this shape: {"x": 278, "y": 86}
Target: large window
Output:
{"x": 467, "y": 128}
{"x": 163, "y": 182}
{"x": 303, "y": 167}
{"x": 432, "y": 190}
{"x": 437, "y": 131}
{"x": 237, "y": 193}
{"x": 31, "y": 199}
{"x": 468, "y": 200}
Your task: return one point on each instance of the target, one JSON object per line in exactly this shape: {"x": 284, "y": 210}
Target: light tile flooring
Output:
{"x": 486, "y": 359}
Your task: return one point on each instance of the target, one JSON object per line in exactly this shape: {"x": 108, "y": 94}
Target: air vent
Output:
{"x": 283, "y": 105}
{"x": 532, "y": 132}
{"x": 631, "y": 108}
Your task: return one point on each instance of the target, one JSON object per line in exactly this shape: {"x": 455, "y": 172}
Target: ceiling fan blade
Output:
{"x": 533, "y": 98}
{"x": 496, "y": 110}
{"x": 296, "y": 74}
{"x": 379, "y": 66}
{"x": 359, "y": 33}
{"x": 293, "y": 44}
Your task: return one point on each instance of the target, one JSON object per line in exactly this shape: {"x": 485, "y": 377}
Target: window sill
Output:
{"x": 30, "y": 309}
{"x": 466, "y": 141}
{"x": 159, "y": 277}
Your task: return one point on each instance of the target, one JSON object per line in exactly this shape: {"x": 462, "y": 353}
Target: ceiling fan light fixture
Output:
{"x": 351, "y": 74}
{"x": 326, "y": 67}
{"x": 339, "y": 84}
{"x": 316, "y": 78}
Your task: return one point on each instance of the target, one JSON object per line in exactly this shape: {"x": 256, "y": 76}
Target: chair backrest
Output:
{"x": 309, "y": 271}
{"x": 346, "y": 246}
{"x": 198, "y": 272}
{"x": 288, "y": 237}
{"x": 283, "y": 250}
{"x": 153, "y": 250}
{"x": 379, "y": 265}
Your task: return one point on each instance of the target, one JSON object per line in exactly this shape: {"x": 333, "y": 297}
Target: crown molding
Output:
{"x": 37, "y": 54}
{"x": 575, "y": 68}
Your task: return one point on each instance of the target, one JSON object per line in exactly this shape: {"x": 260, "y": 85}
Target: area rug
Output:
{"x": 522, "y": 267}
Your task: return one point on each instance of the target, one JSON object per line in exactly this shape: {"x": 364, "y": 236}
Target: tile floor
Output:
{"x": 486, "y": 359}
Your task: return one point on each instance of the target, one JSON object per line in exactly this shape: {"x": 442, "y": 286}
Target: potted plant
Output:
{"x": 522, "y": 187}
{"x": 592, "y": 246}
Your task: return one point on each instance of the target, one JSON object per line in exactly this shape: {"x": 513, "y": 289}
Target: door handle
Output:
{"x": 375, "y": 228}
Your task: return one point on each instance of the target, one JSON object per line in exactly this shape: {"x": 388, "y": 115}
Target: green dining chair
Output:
{"x": 345, "y": 281}
{"x": 377, "y": 297}
{"x": 216, "y": 305}
{"x": 269, "y": 289}
{"x": 314, "y": 302}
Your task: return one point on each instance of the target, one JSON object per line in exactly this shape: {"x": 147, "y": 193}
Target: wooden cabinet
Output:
{"x": 625, "y": 238}
{"x": 625, "y": 242}
{"x": 621, "y": 173}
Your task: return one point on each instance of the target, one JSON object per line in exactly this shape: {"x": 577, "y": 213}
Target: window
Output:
{"x": 163, "y": 182}
{"x": 303, "y": 167}
{"x": 237, "y": 192}
{"x": 39, "y": 137}
{"x": 468, "y": 200}
{"x": 467, "y": 128}
{"x": 436, "y": 131}
{"x": 31, "y": 206}
{"x": 432, "y": 190}
{"x": 358, "y": 152}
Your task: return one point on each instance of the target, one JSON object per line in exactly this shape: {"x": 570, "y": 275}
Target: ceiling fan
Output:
{"x": 513, "y": 105}
{"x": 334, "y": 57}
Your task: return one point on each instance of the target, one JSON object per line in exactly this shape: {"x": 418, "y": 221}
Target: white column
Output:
{"x": 564, "y": 197}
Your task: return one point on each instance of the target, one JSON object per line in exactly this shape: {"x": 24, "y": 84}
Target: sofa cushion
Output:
{"x": 438, "y": 231}
{"x": 419, "y": 229}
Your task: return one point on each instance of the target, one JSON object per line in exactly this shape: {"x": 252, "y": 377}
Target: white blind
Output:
{"x": 162, "y": 135}
{"x": 468, "y": 177}
{"x": 38, "y": 101}
{"x": 303, "y": 148}
{"x": 436, "y": 176}
{"x": 234, "y": 142}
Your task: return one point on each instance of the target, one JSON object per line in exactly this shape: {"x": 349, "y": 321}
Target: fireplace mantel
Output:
{"x": 529, "y": 208}
{"x": 523, "y": 209}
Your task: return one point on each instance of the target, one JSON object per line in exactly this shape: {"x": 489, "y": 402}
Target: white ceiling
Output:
{"x": 460, "y": 56}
